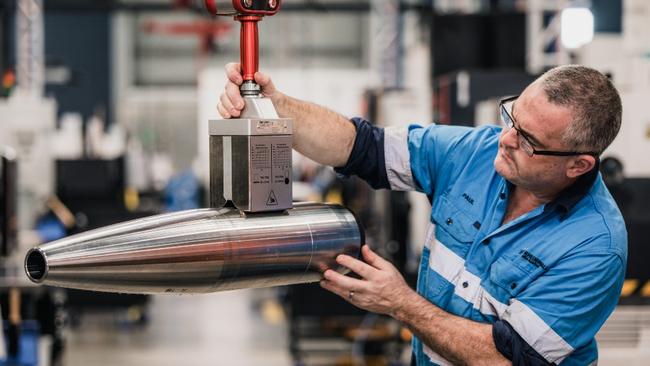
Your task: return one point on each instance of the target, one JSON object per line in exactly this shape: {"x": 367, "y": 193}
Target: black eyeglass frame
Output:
{"x": 513, "y": 124}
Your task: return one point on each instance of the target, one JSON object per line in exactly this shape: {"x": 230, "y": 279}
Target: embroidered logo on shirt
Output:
{"x": 468, "y": 198}
{"x": 532, "y": 259}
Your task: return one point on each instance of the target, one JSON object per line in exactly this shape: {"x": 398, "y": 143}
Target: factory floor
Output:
{"x": 246, "y": 327}
{"x": 212, "y": 329}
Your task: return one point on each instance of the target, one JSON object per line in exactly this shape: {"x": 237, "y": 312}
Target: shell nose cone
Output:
{"x": 36, "y": 265}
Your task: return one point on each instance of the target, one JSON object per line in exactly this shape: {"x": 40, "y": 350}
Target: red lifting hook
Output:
{"x": 248, "y": 13}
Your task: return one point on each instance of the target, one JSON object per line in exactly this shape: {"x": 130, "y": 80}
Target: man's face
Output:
{"x": 544, "y": 123}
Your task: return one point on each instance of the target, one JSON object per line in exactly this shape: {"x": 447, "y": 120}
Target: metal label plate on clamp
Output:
{"x": 251, "y": 163}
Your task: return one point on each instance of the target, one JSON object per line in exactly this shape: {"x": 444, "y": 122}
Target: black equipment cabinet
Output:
{"x": 8, "y": 202}
{"x": 93, "y": 190}
{"x": 633, "y": 198}
{"x": 477, "y": 86}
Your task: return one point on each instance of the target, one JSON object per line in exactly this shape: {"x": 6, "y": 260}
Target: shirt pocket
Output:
{"x": 511, "y": 274}
{"x": 454, "y": 228}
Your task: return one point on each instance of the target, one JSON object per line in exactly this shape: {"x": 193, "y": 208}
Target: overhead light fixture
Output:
{"x": 577, "y": 27}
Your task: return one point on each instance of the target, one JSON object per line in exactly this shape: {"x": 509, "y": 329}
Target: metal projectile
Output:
{"x": 199, "y": 251}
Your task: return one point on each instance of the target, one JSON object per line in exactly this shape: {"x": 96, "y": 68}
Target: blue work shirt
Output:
{"x": 548, "y": 279}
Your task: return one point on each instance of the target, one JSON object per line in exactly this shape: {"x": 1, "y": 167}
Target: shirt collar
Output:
{"x": 571, "y": 195}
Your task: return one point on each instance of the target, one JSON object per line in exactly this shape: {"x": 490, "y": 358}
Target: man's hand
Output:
{"x": 381, "y": 289}
{"x": 320, "y": 134}
{"x": 231, "y": 102}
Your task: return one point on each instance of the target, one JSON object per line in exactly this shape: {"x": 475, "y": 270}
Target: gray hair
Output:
{"x": 594, "y": 101}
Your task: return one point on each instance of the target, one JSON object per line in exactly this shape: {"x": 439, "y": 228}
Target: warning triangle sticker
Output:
{"x": 272, "y": 201}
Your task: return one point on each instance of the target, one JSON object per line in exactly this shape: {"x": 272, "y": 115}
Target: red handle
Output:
{"x": 249, "y": 45}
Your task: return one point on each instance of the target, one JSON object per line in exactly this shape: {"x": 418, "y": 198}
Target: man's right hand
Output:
{"x": 231, "y": 102}
{"x": 320, "y": 134}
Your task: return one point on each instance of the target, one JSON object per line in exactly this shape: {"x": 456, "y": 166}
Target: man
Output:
{"x": 525, "y": 257}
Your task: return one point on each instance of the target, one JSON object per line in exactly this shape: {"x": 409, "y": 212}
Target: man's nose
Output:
{"x": 510, "y": 138}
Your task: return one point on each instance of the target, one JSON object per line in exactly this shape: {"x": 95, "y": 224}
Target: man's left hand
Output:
{"x": 381, "y": 289}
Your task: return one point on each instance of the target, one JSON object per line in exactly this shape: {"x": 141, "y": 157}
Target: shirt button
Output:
{"x": 502, "y": 195}
{"x": 513, "y": 285}
{"x": 465, "y": 284}
{"x": 449, "y": 221}
{"x": 486, "y": 241}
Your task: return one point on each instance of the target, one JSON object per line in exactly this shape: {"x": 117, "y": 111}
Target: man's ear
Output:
{"x": 580, "y": 165}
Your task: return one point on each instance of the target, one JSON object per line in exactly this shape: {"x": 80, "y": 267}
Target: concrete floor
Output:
{"x": 226, "y": 329}
{"x": 211, "y": 329}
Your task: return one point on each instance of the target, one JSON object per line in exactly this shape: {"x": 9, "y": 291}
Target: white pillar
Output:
{"x": 30, "y": 46}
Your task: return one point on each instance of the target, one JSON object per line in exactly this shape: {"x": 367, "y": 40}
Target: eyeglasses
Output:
{"x": 524, "y": 139}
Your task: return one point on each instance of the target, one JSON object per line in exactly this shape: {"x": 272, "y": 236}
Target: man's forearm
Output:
{"x": 459, "y": 340}
{"x": 320, "y": 134}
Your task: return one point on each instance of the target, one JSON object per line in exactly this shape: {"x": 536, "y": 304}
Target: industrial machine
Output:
{"x": 252, "y": 236}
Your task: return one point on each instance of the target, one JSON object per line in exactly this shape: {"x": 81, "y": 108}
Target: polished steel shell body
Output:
{"x": 198, "y": 251}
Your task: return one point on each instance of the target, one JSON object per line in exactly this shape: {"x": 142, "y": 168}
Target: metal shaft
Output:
{"x": 249, "y": 45}
{"x": 249, "y": 53}
{"x": 200, "y": 251}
